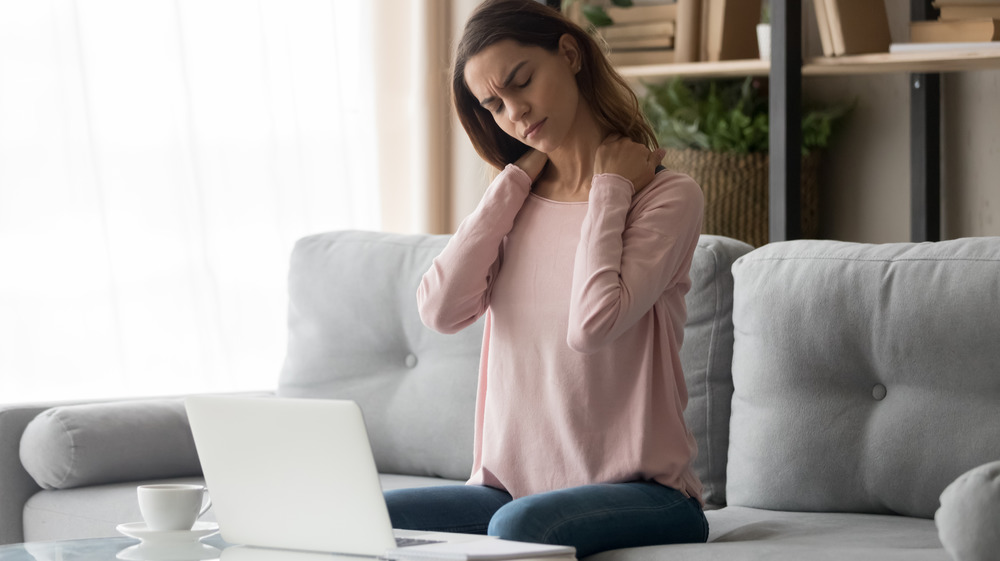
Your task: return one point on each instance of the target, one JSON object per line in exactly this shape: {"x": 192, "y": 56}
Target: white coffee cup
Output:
{"x": 172, "y": 507}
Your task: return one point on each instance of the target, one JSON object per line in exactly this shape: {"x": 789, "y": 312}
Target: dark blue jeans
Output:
{"x": 592, "y": 518}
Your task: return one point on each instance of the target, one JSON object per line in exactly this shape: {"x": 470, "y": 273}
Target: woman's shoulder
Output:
{"x": 669, "y": 187}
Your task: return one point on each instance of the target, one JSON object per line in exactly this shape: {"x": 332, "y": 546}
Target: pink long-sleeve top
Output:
{"x": 580, "y": 379}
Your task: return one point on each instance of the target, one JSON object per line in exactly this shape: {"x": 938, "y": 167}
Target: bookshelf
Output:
{"x": 927, "y": 62}
{"x": 786, "y": 70}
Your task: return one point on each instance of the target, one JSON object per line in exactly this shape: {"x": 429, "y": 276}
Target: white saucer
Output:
{"x": 139, "y": 531}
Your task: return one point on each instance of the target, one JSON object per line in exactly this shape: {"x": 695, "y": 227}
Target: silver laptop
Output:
{"x": 299, "y": 474}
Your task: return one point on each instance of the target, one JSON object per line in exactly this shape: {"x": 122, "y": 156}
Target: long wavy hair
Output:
{"x": 531, "y": 23}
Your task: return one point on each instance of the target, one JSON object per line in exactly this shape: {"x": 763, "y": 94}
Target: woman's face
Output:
{"x": 531, "y": 92}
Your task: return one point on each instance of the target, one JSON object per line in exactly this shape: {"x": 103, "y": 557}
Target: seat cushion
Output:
{"x": 93, "y": 512}
{"x": 865, "y": 376}
{"x": 747, "y": 534}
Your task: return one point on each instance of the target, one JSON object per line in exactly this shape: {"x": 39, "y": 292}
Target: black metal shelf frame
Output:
{"x": 785, "y": 220}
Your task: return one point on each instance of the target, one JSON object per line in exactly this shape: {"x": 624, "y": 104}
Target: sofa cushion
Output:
{"x": 707, "y": 356}
{"x": 865, "y": 375}
{"x": 354, "y": 333}
{"x": 968, "y": 520}
{"x": 78, "y": 445}
{"x": 747, "y": 534}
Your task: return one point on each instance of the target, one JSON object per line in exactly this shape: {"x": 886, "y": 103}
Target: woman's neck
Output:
{"x": 570, "y": 169}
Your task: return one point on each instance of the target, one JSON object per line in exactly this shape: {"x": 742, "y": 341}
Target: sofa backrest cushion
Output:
{"x": 354, "y": 333}
{"x": 707, "y": 355}
{"x": 866, "y": 376}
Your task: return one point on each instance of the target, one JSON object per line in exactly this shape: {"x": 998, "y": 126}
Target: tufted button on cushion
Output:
{"x": 968, "y": 520}
{"x": 411, "y": 360}
{"x": 878, "y": 392}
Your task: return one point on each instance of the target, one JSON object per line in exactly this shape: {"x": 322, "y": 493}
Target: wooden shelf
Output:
{"x": 914, "y": 63}
{"x": 724, "y": 69}
{"x": 880, "y": 63}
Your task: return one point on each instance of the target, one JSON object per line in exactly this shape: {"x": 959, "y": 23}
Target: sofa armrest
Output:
{"x": 968, "y": 520}
{"x": 16, "y": 486}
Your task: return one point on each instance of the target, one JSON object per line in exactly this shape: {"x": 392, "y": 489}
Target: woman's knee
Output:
{"x": 522, "y": 520}
{"x": 600, "y": 517}
{"x": 452, "y": 508}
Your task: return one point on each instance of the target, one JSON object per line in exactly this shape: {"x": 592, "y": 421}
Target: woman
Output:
{"x": 578, "y": 254}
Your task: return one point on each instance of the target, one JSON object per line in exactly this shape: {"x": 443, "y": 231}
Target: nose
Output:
{"x": 516, "y": 110}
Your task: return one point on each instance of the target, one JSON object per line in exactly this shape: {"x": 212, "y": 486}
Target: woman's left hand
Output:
{"x": 629, "y": 159}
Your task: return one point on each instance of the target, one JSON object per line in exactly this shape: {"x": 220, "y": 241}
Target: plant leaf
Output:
{"x": 596, "y": 15}
{"x": 727, "y": 116}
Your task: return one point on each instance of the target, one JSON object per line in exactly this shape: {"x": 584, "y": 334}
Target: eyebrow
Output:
{"x": 506, "y": 82}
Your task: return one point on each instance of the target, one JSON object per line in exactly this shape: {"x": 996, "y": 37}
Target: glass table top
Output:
{"x": 129, "y": 549}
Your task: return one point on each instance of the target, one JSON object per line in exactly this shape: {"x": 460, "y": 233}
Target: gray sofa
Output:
{"x": 836, "y": 390}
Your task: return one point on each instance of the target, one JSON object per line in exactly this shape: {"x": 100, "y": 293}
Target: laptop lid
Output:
{"x": 291, "y": 473}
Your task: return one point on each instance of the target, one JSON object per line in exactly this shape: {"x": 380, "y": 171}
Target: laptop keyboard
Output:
{"x": 408, "y": 542}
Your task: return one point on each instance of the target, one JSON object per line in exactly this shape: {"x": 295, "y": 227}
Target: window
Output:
{"x": 158, "y": 159}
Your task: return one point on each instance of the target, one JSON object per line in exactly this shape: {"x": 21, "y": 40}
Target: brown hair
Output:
{"x": 531, "y": 23}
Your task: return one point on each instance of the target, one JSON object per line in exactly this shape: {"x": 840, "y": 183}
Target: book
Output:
{"x": 732, "y": 29}
{"x": 931, "y": 47}
{"x": 664, "y": 42}
{"x": 824, "y": 27}
{"x": 642, "y": 58}
{"x": 485, "y": 549}
{"x": 970, "y": 12}
{"x": 642, "y": 14}
{"x": 967, "y": 31}
{"x": 636, "y": 30}
{"x": 858, "y": 26}
{"x": 706, "y": 5}
{"x": 688, "y": 37}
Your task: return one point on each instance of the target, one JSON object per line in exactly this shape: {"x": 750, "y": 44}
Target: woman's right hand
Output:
{"x": 631, "y": 160}
{"x": 532, "y": 162}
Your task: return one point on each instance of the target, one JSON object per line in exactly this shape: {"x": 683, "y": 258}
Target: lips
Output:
{"x": 534, "y": 128}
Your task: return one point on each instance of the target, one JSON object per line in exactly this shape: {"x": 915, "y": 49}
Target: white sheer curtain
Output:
{"x": 158, "y": 158}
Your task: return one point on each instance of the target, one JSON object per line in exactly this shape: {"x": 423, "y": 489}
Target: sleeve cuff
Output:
{"x": 613, "y": 179}
{"x": 518, "y": 175}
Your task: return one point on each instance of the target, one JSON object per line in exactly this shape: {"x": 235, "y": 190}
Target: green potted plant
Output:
{"x": 717, "y": 131}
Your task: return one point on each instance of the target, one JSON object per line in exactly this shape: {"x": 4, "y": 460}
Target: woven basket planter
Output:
{"x": 736, "y": 192}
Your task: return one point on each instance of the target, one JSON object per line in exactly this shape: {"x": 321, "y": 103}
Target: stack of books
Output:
{"x": 852, "y": 27}
{"x": 641, "y": 34}
{"x": 729, "y": 29}
{"x": 961, "y": 21}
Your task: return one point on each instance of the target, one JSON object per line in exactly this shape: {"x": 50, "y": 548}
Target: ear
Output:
{"x": 570, "y": 50}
